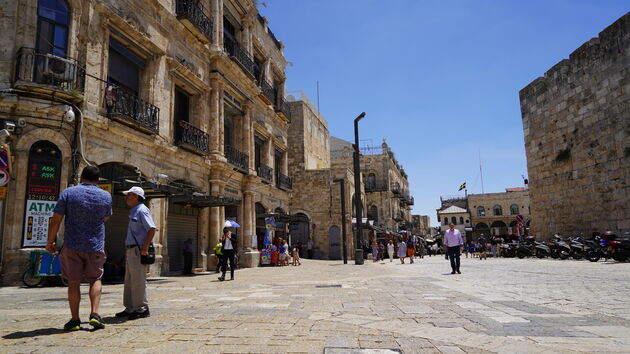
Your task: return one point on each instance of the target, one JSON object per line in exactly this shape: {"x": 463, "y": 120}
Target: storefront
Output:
{"x": 182, "y": 225}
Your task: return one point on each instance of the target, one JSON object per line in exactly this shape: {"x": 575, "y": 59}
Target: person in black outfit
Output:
{"x": 228, "y": 249}
{"x": 188, "y": 256}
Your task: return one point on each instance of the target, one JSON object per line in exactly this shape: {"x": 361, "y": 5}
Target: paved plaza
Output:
{"x": 502, "y": 305}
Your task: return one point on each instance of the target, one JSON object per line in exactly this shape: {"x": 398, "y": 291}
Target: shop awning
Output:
{"x": 286, "y": 218}
{"x": 205, "y": 201}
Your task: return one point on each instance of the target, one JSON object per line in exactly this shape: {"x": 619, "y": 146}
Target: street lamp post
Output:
{"x": 358, "y": 252}
{"x": 342, "y": 186}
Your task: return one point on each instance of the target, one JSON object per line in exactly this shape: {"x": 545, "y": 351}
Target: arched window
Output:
{"x": 497, "y": 210}
{"x": 514, "y": 209}
{"x": 370, "y": 182}
{"x": 373, "y": 213}
{"x": 52, "y": 27}
{"x": 446, "y": 221}
{"x": 481, "y": 211}
{"x": 454, "y": 220}
{"x": 461, "y": 220}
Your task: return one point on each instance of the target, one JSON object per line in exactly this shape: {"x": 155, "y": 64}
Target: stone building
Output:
{"x": 577, "y": 138}
{"x": 184, "y": 98}
{"x": 387, "y": 201}
{"x": 496, "y": 213}
{"x": 318, "y": 181}
{"x": 421, "y": 225}
{"x": 460, "y": 217}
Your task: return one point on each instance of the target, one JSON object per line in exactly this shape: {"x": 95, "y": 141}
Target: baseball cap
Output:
{"x": 135, "y": 190}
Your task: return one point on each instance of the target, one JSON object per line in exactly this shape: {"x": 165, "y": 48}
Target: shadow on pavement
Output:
{"x": 114, "y": 320}
{"x": 34, "y": 333}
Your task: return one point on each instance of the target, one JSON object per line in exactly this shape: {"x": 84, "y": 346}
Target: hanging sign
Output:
{"x": 42, "y": 191}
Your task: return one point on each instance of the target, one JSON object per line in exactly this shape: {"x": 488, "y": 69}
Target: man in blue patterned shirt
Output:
{"x": 85, "y": 207}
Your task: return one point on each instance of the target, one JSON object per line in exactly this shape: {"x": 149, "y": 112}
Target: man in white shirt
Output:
{"x": 228, "y": 249}
{"x": 453, "y": 241}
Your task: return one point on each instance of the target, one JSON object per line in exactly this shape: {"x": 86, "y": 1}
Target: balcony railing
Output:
{"x": 35, "y": 69}
{"x": 265, "y": 172}
{"x": 282, "y": 108}
{"x": 191, "y": 137}
{"x": 240, "y": 55}
{"x": 409, "y": 200}
{"x": 128, "y": 108}
{"x": 237, "y": 158}
{"x": 187, "y": 10}
{"x": 284, "y": 182}
{"x": 375, "y": 187}
{"x": 268, "y": 92}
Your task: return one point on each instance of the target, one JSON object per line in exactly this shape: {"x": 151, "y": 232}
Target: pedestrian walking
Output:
{"x": 140, "y": 233}
{"x": 421, "y": 248}
{"x": 411, "y": 250}
{"x": 295, "y": 252}
{"x": 482, "y": 247}
{"x": 85, "y": 208}
{"x": 453, "y": 242}
{"x": 402, "y": 251}
{"x": 230, "y": 243}
{"x": 466, "y": 248}
{"x": 219, "y": 255}
{"x": 188, "y": 256}
{"x": 390, "y": 250}
{"x": 381, "y": 251}
{"x": 493, "y": 247}
{"x": 374, "y": 251}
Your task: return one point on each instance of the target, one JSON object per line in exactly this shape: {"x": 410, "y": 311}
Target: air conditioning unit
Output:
{"x": 59, "y": 68}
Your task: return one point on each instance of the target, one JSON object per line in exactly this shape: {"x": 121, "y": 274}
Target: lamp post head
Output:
{"x": 360, "y": 117}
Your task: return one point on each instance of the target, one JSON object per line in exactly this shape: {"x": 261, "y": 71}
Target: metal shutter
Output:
{"x": 116, "y": 229}
{"x": 182, "y": 224}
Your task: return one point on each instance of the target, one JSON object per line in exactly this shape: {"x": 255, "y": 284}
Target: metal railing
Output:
{"x": 189, "y": 10}
{"x": 284, "y": 182}
{"x": 282, "y": 107}
{"x": 191, "y": 137}
{"x": 396, "y": 190}
{"x": 237, "y": 158}
{"x": 267, "y": 90}
{"x": 265, "y": 172}
{"x": 129, "y": 108}
{"x": 238, "y": 53}
{"x": 41, "y": 68}
{"x": 375, "y": 186}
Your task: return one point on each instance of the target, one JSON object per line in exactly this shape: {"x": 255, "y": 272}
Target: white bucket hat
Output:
{"x": 135, "y": 190}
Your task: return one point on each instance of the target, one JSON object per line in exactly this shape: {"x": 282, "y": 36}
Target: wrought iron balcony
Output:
{"x": 282, "y": 108}
{"x": 375, "y": 187}
{"x": 192, "y": 138}
{"x": 237, "y": 158}
{"x": 265, "y": 172}
{"x": 239, "y": 54}
{"x": 268, "y": 93}
{"x": 47, "y": 73}
{"x": 284, "y": 182}
{"x": 409, "y": 200}
{"x": 195, "y": 19}
{"x": 128, "y": 108}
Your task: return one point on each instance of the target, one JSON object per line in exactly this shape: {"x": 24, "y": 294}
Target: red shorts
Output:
{"x": 77, "y": 265}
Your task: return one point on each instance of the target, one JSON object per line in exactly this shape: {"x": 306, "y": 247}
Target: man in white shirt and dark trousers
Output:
{"x": 229, "y": 247}
{"x": 453, "y": 241}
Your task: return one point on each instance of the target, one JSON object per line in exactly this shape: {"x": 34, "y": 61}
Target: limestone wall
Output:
{"x": 576, "y": 121}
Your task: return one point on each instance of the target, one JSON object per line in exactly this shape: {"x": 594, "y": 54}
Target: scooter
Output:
{"x": 619, "y": 248}
{"x": 595, "y": 249}
{"x": 559, "y": 248}
{"x": 577, "y": 247}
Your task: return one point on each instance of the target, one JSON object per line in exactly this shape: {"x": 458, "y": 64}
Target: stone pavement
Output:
{"x": 502, "y": 305}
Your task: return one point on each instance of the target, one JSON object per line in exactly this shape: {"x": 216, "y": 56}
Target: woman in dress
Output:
{"x": 410, "y": 250}
{"x": 390, "y": 250}
{"x": 374, "y": 251}
{"x": 402, "y": 251}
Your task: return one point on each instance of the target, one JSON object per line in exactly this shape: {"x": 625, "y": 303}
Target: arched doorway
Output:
{"x": 334, "y": 243}
{"x": 299, "y": 231}
{"x": 499, "y": 228}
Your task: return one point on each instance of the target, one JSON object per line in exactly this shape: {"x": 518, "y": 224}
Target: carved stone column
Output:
{"x": 248, "y": 136}
{"x": 216, "y": 117}
{"x": 249, "y": 257}
{"x": 217, "y": 15}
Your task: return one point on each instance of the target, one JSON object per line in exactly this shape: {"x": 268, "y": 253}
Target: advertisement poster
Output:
{"x": 42, "y": 191}
{"x": 36, "y": 219}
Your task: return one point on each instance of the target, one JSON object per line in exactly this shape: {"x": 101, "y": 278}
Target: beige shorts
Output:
{"x": 77, "y": 265}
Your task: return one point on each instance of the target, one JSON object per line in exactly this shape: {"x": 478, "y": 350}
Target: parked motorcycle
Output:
{"x": 619, "y": 248}
{"x": 577, "y": 247}
{"x": 596, "y": 248}
{"x": 559, "y": 248}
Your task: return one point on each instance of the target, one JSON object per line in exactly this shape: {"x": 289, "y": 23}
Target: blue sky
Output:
{"x": 439, "y": 79}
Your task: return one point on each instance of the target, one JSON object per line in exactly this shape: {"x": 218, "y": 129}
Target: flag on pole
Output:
{"x": 463, "y": 186}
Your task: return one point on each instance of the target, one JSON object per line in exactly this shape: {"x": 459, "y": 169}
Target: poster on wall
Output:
{"x": 42, "y": 191}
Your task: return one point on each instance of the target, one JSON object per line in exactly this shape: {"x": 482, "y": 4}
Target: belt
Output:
{"x": 131, "y": 246}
